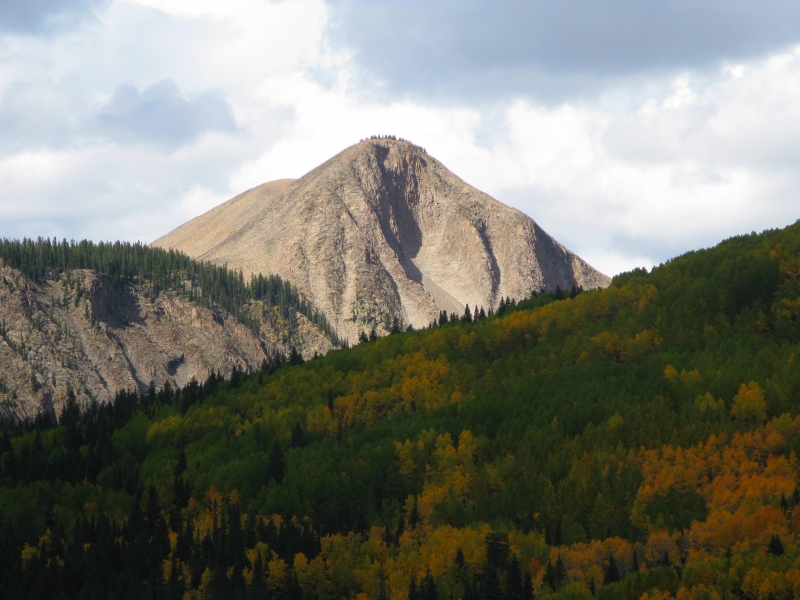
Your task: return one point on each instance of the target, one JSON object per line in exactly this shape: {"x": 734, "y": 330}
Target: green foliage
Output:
{"x": 675, "y": 510}
{"x": 523, "y": 425}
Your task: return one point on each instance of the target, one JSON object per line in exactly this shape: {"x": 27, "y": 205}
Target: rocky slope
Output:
{"x": 82, "y": 331}
{"x": 384, "y": 230}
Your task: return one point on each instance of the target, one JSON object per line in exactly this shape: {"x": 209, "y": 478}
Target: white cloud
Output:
{"x": 633, "y": 177}
{"x": 711, "y": 158}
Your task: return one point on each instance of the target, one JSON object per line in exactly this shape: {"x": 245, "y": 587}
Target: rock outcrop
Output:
{"x": 384, "y": 230}
{"x": 82, "y": 331}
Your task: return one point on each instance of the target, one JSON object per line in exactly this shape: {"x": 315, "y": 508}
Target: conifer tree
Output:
{"x": 611, "y": 572}
{"x": 775, "y": 546}
{"x": 413, "y": 516}
{"x": 467, "y": 318}
{"x": 413, "y": 594}
{"x": 401, "y": 528}
{"x": 395, "y": 326}
{"x": 298, "y": 439}
{"x": 276, "y": 465}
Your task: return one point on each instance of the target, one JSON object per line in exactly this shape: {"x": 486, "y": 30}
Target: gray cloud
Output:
{"x": 33, "y": 16}
{"x": 471, "y": 50}
{"x": 42, "y": 114}
{"x": 160, "y": 115}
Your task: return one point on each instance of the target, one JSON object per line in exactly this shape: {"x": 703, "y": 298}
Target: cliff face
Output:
{"x": 82, "y": 331}
{"x": 383, "y": 229}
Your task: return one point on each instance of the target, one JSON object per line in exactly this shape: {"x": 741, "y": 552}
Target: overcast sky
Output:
{"x": 632, "y": 131}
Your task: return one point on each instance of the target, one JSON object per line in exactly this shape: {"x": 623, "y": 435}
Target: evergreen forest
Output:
{"x": 636, "y": 442}
{"x": 159, "y": 271}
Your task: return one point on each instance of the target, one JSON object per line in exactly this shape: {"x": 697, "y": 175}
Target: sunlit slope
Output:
{"x": 381, "y": 231}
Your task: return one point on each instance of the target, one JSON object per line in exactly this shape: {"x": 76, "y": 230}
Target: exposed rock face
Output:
{"x": 381, "y": 230}
{"x": 96, "y": 337}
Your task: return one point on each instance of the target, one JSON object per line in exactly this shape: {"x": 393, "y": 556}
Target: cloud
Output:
{"x": 625, "y": 183}
{"x": 35, "y": 16}
{"x": 627, "y": 143}
{"x": 41, "y": 114}
{"x": 466, "y": 50}
{"x": 162, "y": 116}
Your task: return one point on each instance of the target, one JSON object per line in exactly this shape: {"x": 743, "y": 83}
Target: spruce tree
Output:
{"x": 395, "y": 326}
{"x": 467, "y": 318}
{"x": 560, "y": 571}
{"x": 413, "y": 516}
{"x": 514, "y": 583}
{"x": 429, "y": 588}
{"x": 611, "y": 572}
{"x": 298, "y": 437}
{"x": 276, "y": 465}
{"x": 401, "y": 528}
{"x": 775, "y": 546}
{"x": 413, "y": 594}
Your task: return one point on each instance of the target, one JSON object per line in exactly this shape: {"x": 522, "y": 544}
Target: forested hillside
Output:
{"x": 635, "y": 442}
{"x": 162, "y": 270}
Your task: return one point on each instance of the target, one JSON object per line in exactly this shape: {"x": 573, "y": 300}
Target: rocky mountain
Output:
{"x": 83, "y": 331}
{"x": 384, "y": 230}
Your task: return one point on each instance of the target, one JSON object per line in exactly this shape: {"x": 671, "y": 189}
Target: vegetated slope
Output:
{"x": 382, "y": 231}
{"x": 637, "y": 440}
{"x": 100, "y": 319}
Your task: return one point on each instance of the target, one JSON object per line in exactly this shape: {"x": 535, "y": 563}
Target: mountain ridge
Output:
{"x": 93, "y": 320}
{"x": 383, "y": 230}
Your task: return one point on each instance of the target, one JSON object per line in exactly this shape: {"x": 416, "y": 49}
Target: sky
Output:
{"x": 631, "y": 131}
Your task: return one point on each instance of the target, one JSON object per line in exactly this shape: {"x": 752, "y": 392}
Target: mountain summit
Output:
{"x": 384, "y": 230}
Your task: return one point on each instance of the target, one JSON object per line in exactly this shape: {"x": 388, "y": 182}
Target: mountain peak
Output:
{"x": 384, "y": 230}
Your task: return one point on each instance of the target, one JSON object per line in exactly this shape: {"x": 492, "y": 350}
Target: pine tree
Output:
{"x": 501, "y": 309}
{"x": 429, "y": 588}
{"x": 550, "y": 576}
{"x": 467, "y": 318}
{"x": 295, "y": 358}
{"x": 527, "y": 587}
{"x": 395, "y": 326}
{"x": 775, "y": 546}
{"x": 298, "y": 437}
{"x": 181, "y": 489}
{"x": 514, "y": 584}
{"x": 401, "y": 528}
{"x": 276, "y": 465}
{"x": 413, "y": 516}
{"x": 611, "y": 572}
{"x": 413, "y": 594}
{"x": 560, "y": 571}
